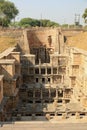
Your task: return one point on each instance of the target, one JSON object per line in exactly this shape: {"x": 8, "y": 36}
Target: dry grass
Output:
{"x": 79, "y": 41}
{"x": 6, "y": 42}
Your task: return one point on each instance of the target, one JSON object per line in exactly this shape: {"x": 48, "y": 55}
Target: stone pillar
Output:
{"x": 55, "y": 103}
{"x": 52, "y": 70}
{"x": 33, "y": 117}
{"x": 63, "y": 103}
{"x": 39, "y": 70}
{"x": 51, "y": 60}
{"x": 49, "y": 93}
{"x": 55, "y": 113}
{"x": 56, "y": 99}
{"x": 45, "y": 80}
{"x": 55, "y": 117}
{"x": 40, "y": 80}
{"x": 64, "y": 115}
{"x": 77, "y": 115}
{"x": 39, "y": 61}
{"x": 34, "y": 93}
{"x": 26, "y": 44}
{"x": 46, "y": 70}
{"x": 39, "y": 66}
{"x": 51, "y": 80}
{"x": 48, "y": 116}
{"x": 63, "y": 93}
{"x": 56, "y": 93}
{"x": 41, "y": 94}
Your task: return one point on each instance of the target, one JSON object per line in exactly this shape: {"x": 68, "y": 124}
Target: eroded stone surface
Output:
{"x": 42, "y": 78}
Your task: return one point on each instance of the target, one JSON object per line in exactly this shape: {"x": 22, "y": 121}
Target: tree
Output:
{"x": 85, "y": 15}
{"x": 25, "y": 21}
{"x": 29, "y": 22}
{"x": 8, "y": 11}
{"x": 48, "y": 23}
{"x": 44, "y": 22}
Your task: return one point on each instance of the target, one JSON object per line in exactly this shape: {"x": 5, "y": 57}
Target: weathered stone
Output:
{"x": 48, "y": 116}
{"x": 64, "y": 115}
{"x": 77, "y": 115}
{"x": 43, "y": 74}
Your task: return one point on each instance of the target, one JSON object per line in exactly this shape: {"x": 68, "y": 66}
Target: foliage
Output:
{"x": 65, "y": 25}
{"x": 14, "y": 24}
{"x": 85, "y": 15}
{"x": 8, "y": 11}
{"x": 48, "y": 23}
{"x": 29, "y": 22}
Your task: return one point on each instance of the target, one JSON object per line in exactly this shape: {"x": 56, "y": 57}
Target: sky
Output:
{"x": 60, "y": 11}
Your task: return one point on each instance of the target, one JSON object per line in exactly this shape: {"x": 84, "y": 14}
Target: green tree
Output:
{"x": 29, "y": 22}
{"x": 35, "y": 23}
{"x": 25, "y": 21}
{"x": 48, "y": 23}
{"x": 44, "y": 22}
{"x": 85, "y": 15}
{"x": 8, "y": 11}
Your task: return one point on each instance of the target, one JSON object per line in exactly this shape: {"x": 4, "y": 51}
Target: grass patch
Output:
{"x": 6, "y": 42}
{"x": 79, "y": 41}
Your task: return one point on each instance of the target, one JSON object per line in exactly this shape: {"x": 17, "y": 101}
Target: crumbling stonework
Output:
{"x": 46, "y": 78}
{"x": 10, "y": 59}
